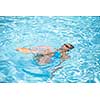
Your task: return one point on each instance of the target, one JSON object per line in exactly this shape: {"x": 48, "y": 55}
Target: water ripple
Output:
{"x": 28, "y": 31}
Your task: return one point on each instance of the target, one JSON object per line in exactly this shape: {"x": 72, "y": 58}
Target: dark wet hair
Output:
{"x": 71, "y": 46}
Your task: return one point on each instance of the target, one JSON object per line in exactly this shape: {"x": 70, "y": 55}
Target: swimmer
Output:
{"x": 45, "y": 53}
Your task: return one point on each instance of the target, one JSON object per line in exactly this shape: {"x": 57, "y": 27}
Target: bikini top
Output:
{"x": 57, "y": 54}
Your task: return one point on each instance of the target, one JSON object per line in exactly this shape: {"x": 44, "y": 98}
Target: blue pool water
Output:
{"x": 28, "y": 31}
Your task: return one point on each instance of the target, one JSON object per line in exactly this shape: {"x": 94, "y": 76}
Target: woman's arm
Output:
{"x": 26, "y": 50}
{"x": 38, "y": 49}
{"x": 42, "y": 49}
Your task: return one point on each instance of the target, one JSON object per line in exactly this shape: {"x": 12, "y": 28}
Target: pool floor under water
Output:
{"x": 83, "y": 32}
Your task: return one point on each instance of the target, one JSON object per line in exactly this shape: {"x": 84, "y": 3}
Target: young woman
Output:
{"x": 44, "y": 54}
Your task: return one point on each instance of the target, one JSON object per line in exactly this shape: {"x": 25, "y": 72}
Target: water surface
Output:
{"x": 28, "y": 31}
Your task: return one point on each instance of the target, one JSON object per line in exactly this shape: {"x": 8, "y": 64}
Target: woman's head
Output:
{"x": 67, "y": 47}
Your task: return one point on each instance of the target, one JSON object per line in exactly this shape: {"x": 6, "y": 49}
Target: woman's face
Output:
{"x": 65, "y": 48}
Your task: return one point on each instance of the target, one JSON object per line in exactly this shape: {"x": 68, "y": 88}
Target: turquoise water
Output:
{"x": 28, "y": 31}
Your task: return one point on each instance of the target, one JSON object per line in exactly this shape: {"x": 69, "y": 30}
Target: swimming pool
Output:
{"x": 28, "y": 31}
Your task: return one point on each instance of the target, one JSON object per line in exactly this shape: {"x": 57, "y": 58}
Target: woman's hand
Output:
{"x": 65, "y": 57}
{"x": 24, "y": 50}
